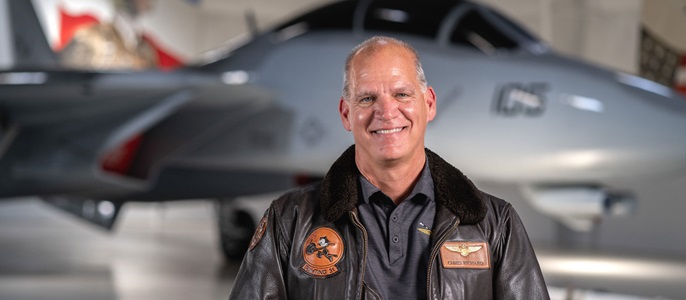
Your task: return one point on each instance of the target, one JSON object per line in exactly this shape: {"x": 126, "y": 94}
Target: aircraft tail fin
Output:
{"x": 23, "y": 43}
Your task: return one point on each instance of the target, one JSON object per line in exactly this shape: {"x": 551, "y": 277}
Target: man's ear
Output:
{"x": 430, "y": 98}
{"x": 344, "y": 110}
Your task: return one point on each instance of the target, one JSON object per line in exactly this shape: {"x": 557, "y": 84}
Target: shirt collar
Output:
{"x": 424, "y": 186}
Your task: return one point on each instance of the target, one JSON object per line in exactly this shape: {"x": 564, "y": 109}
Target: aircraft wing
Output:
{"x": 68, "y": 132}
{"x": 148, "y": 135}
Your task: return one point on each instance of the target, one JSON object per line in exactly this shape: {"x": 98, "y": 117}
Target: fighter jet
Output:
{"x": 264, "y": 117}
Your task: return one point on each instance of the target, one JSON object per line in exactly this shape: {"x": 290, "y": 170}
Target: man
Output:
{"x": 391, "y": 220}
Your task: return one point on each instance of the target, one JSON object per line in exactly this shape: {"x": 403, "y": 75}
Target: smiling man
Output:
{"x": 387, "y": 105}
{"x": 391, "y": 219}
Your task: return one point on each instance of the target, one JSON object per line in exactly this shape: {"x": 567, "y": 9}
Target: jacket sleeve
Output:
{"x": 261, "y": 273}
{"x": 517, "y": 273}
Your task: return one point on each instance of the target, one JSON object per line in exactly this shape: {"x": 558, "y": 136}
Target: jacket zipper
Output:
{"x": 434, "y": 253}
{"x": 357, "y": 223}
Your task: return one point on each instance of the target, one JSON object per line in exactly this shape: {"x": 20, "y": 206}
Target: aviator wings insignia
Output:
{"x": 463, "y": 249}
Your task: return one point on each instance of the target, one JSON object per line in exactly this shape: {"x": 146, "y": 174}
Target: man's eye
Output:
{"x": 403, "y": 95}
{"x": 366, "y": 100}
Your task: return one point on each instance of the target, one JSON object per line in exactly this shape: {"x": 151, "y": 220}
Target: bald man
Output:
{"x": 391, "y": 219}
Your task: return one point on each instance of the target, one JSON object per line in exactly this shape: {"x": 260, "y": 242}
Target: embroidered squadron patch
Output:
{"x": 465, "y": 255}
{"x": 322, "y": 250}
{"x": 259, "y": 232}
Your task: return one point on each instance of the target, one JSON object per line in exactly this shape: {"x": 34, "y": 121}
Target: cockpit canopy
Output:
{"x": 460, "y": 23}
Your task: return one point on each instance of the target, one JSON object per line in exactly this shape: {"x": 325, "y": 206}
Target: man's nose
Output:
{"x": 386, "y": 108}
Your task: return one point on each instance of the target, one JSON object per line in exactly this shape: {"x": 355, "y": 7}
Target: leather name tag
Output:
{"x": 465, "y": 255}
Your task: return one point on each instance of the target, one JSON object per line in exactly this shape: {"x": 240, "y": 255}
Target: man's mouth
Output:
{"x": 388, "y": 131}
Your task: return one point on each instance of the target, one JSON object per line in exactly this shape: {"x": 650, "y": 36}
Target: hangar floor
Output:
{"x": 154, "y": 253}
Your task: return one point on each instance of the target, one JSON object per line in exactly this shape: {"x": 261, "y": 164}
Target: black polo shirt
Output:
{"x": 398, "y": 252}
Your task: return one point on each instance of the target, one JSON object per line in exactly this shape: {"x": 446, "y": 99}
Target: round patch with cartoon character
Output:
{"x": 322, "y": 250}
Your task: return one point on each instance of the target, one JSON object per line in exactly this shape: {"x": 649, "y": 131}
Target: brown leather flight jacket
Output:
{"x": 281, "y": 262}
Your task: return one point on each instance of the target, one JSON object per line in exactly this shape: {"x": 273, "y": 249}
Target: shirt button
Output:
{"x": 394, "y": 218}
{"x": 395, "y": 239}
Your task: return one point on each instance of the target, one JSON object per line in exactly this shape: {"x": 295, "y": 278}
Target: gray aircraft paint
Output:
{"x": 6, "y": 44}
{"x": 606, "y": 142}
{"x": 30, "y": 46}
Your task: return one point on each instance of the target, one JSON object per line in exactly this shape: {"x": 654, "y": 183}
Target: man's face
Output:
{"x": 387, "y": 111}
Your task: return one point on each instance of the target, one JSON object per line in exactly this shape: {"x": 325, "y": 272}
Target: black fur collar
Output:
{"x": 452, "y": 189}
